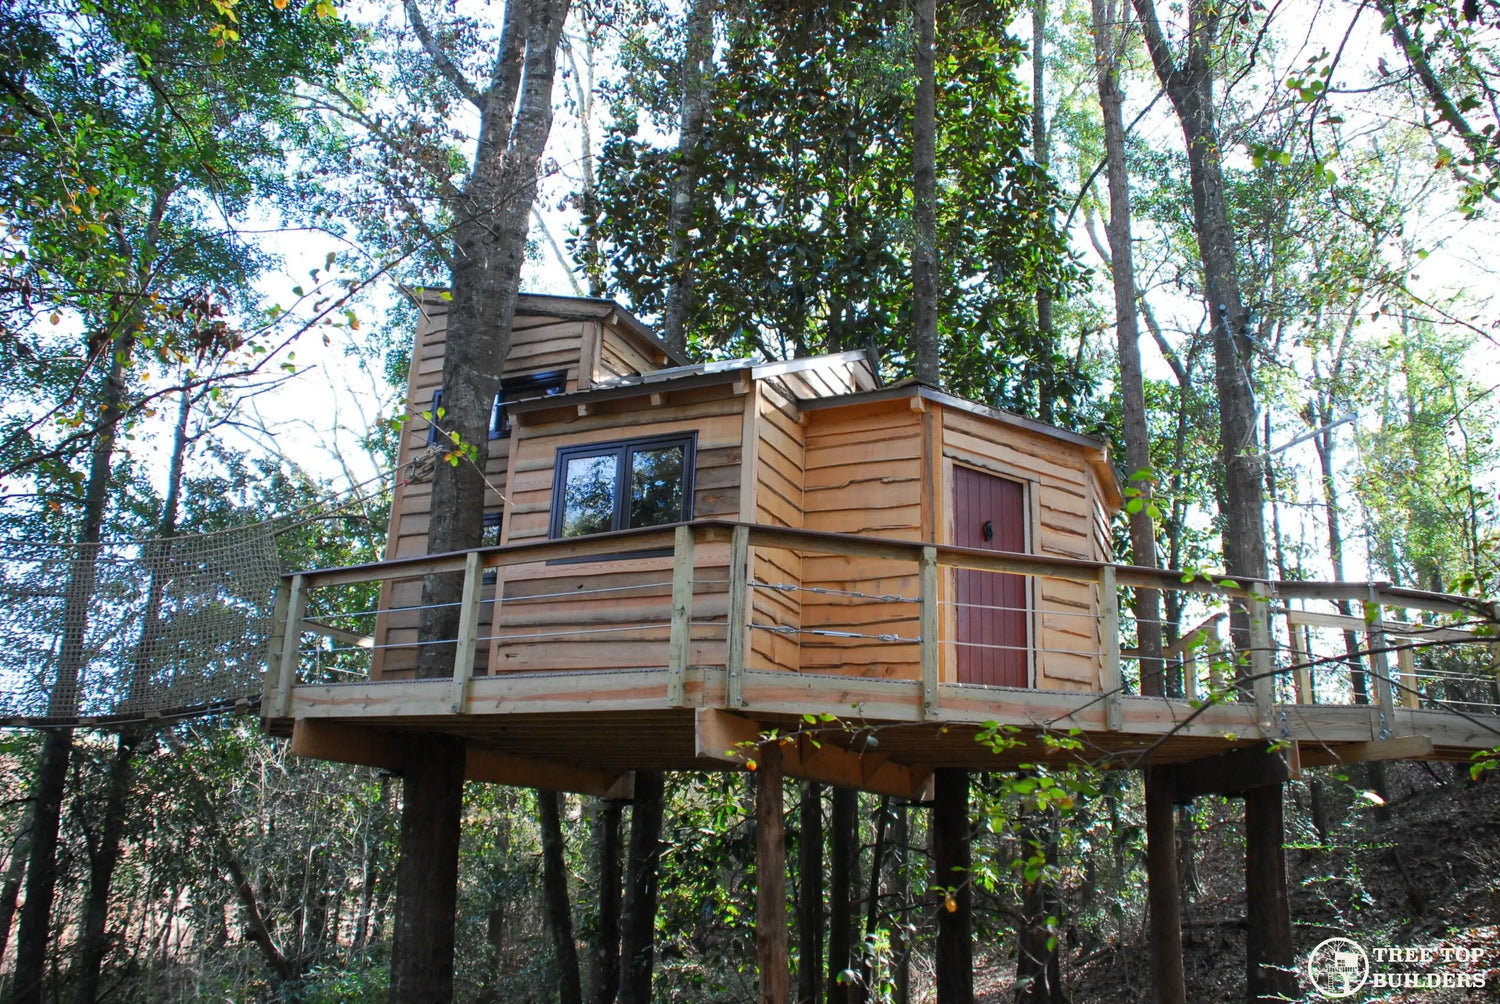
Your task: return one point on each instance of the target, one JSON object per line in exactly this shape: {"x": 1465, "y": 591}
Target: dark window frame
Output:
{"x": 525, "y": 387}
{"x": 622, "y": 449}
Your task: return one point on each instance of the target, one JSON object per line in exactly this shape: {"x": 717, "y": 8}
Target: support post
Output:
{"x": 1110, "y": 680}
{"x": 739, "y": 589}
{"x": 1263, "y": 682}
{"x": 928, "y": 597}
{"x": 1301, "y": 664}
{"x": 1380, "y": 665}
{"x": 468, "y": 632}
{"x": 272, "y": 683}
{"x": 770, "y": 879}
{"x": 680, "y": 641}
{"x": 291, "y": 641}
{"x": 1407, "y": 660}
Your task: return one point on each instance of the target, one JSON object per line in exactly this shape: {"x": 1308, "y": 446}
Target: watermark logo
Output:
{"x": 1338, "y": 968}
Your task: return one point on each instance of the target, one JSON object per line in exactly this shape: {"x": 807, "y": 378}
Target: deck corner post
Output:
{"x": 680, "y": 641}
{"x": 271, "y": 684}
{"x": 468, "y": 632}
{"x": 739, "y": 615}
{"x": 1262, "y": 666}
{"x": 286, "y": 671}
{"x": 928, "y": 598}
{"x": 771, "y": 932}
{"x": 1111, "y": 682}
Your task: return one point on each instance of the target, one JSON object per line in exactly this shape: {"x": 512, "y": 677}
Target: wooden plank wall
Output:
{"x": 621, "y": 355}
{"x": 780, "y": 461}
{"x": 539, "y": 344}
{"x": 630, "y": 621}
{"x": 863, "y": 476}
{"x": 1066, "y": 511}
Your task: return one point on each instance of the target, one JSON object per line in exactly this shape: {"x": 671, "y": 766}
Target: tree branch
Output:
{"x": 440, "y": 60}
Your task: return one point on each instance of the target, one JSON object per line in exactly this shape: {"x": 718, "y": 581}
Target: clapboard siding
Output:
{"x": 1065, "y": 635}
{"x": 862, "y": 477}
{"x": 780, "y": 458}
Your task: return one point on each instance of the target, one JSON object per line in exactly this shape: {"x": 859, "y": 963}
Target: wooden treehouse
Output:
{"x": 681, "y": 559}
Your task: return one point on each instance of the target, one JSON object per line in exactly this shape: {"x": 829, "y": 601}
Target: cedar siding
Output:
{"x": 807, "y": 444}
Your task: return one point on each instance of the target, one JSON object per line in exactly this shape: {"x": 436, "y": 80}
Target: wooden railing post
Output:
{"x": 468, "y": 631}
{"x": 1301, "y": 664}
{"x": 680, "y": 641}
{"x": 739, "y": 598}
{"x": 1110, "y": 680}
{"x": 1406, "y": 660}
{"x": 1262, "y": 666}
{"x": 927, "y": 595}
{"x": 1380, "y": 664}
{"x": 272, "y": 683}
{"x": 291, "y": 642}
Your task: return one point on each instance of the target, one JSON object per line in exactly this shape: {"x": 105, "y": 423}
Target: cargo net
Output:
{"x": 123, "y": 632}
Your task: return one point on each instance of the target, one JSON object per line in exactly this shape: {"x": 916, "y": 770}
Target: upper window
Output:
{"x": 512, "y": 389}
{"x": 623, "y": 485}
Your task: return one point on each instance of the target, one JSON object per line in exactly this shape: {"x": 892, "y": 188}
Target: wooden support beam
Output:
{"x": 1262, "y": 665}
{"x": 771, "y": 937}
{"x": 275, "y": 666}
{"x": 343, "y": 743}
{"x": 928, "y": 597}
{"x": 291, "y": 643}
{"x": 680, "y": 640}
{"x": 1408, "y": 629}
{"x": 1231, "y": 773}
{"x": 1407, "y": 660}
{"x": 732, "y": 738}
{"x": 1404, "y": 748}
{"x": 468, "y": 632}
{"x": 338, "y": 634}
{"x": 1380, "y": 668}
{"x": 739, "y": 612}
{"x": 1301, "y": 667}
{"x": 1110, "y": 680}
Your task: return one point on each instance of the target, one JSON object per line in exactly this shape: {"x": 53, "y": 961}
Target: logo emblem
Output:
{"x": 1338, "y": 968}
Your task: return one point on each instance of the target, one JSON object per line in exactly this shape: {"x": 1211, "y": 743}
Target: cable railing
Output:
{"x": 747, "y": 602}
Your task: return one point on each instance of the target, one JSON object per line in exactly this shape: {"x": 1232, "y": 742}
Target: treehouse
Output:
{"x": 681, "y": 560}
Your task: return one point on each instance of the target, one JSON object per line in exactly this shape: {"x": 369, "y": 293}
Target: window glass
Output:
{"x": 656, "y": 486}
{"x": 589, "y": 495}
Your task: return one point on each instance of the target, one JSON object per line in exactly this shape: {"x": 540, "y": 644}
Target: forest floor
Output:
{"x": 1426, "y": 876}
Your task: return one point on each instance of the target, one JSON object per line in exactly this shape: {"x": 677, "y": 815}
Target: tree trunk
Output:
{"x": 843, "y": 858}
{"x": 92, "y": 940}
{"x": 559, "y": 906}
{"x": 770, "y": 878}
{"x": 1161, "y": 837}
{"x": 606, "y": 955}
{"x": 872, "y": 900}
{"x": 638, "y": 923}
{"x": 810, "y": 905}
{"x": 697, "y": 85}
{"x": 492, "y": 217}
{"x": 10, "y": 889}
{"x": 1041, "y": 153}
{"x": 926, "y": 353}
{"x": 1190, "y": 88}
{"x": 57, "y": 747}
{"x": 427, "y": 870}
{"x": 1038, "y": 968}
{"x": 954, "y": 963}
{"x": 901, "y": 930}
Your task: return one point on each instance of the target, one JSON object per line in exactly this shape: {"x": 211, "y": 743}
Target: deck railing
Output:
{"x": 752, "y": 599}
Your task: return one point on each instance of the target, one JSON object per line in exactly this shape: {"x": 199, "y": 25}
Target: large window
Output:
{"x": 623, "y": 485}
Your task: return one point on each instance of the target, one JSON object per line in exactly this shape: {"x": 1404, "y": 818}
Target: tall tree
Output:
{"x": 1188, "y": 79}
{"x": 490, "y": 212}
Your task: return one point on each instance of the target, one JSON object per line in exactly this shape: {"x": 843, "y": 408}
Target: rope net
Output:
{"x": 126, "y": 631}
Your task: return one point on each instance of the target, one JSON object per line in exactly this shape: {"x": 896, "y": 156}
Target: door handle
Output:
{"x": 987, "y": 531}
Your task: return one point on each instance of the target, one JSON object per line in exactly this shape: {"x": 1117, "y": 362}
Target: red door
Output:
{"x": 990, "y": 512}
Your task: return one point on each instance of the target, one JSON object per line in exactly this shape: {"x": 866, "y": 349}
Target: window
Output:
{"x": 512, "y": 389}
{"x": 519, "y": 388}
{"x": 623, "y": 485}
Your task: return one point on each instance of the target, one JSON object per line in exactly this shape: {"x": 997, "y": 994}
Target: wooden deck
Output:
{"x": 876, "y": 725}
